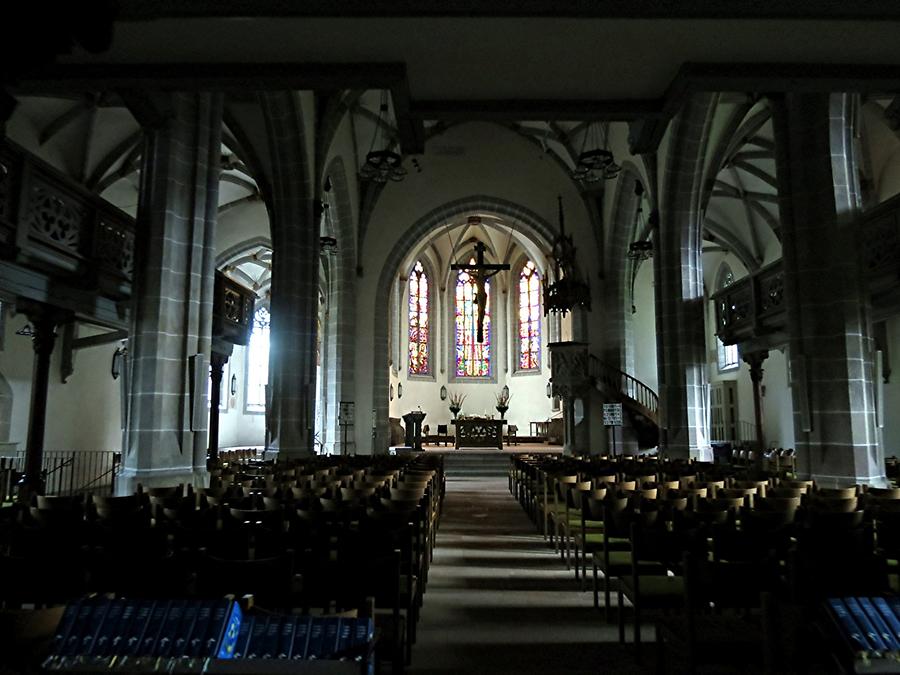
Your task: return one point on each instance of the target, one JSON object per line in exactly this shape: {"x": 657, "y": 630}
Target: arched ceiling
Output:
{"x": 506, "y": 242}
{"x": 98, "y": 143}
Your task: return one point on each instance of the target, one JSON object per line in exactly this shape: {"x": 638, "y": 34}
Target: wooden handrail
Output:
{"x": 626, "y": 386}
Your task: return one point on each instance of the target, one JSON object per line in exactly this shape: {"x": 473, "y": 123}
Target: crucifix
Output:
{"x": 480, "y": 272}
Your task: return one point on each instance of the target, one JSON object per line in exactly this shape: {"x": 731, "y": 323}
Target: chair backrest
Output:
{"x": 836, "y": 493}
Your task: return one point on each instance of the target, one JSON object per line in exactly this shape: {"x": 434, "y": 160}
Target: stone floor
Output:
{"x": 499, "y": 599}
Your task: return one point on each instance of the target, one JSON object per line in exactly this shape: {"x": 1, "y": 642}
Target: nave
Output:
{"x": 500, "y": 600}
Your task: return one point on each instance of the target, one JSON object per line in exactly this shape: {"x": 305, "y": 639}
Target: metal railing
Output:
{"x": 625, "y": 385}
{"x": 66, "y": 472}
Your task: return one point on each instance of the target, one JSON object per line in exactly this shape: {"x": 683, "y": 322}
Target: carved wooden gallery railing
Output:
{"x": 880, "y": 231}
{"x": 50, "y": 223}
{"x": 754, "y": 306}
{"x": 52, "y": 226}
{"x": 751, "y": 307}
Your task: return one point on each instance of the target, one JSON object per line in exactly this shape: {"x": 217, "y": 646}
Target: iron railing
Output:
{"x": 65, "y": 472}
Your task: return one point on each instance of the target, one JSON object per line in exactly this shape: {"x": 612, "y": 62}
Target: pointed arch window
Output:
{"x": 529, "y": 318}
{"x": 419, "y": 325}
{"x": 258, "y": 361}
{"x": 473, "y": 358}
{"x": 729, "y": 357}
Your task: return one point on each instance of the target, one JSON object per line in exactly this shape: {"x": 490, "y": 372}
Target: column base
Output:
{"x": 831, "y": 481}
{"x": 128, "y": 479}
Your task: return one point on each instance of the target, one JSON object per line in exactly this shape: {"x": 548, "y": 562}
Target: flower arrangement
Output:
{"x": 456, "y": 401}
{"x": 503, "y": 401}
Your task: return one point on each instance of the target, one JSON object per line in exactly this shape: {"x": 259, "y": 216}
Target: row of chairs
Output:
{"x": 637, "y": 530}
{"x": 325, "y": 550}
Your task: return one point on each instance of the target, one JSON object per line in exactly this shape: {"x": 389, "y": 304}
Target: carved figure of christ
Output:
{"x": 480, "y": 272}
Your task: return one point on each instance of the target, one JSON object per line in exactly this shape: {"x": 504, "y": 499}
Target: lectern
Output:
{"x": 414, "y": 429}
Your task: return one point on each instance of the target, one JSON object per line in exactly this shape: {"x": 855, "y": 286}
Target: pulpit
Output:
{"x": 413, "y": 422}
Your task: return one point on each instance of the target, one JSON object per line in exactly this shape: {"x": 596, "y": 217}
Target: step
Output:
{"x": 475, "y": 464}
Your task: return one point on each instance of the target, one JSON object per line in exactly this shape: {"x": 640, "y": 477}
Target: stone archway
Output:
{"x": 535, "y": 227}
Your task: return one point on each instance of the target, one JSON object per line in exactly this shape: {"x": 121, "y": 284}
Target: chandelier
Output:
{"x": 382, "y": 163}
{"x": 566, "y": 289}
{"x": 595, "y": 162}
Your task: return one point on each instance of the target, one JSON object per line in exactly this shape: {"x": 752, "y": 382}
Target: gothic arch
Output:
{"x": 533, "y": 224}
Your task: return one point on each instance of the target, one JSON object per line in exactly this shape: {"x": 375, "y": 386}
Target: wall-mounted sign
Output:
{"x": 612, "y": 414}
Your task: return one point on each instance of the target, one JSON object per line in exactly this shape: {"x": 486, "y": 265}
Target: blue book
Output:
{"x": 256, "y": 644}
{"x": 860, "y": 617}
{"x": 181, "y": 646}
{"x": 243, "y": 637}
{"x": 218, "y": 614}
{"x": 345, "y": 635}
{"x": 330, "y": 639}
{"x": 194, "y": 647}
{"x": 851, "y": 629}
{"x": 66, "y": 623}
{"x": 272, "y": 637}
{"x": 135, "y": 635}
{"x": 364, "y": 632}
{"x": 889, "y": 616}
{"x": 231, "y": 629}
{"x": 95, "y": 623}
{"x": 112, "y": 625}
{"x": 154, "y": 628}
{"x": 301, "y": 638}
{"x": 119, "y": 640}
{"x": 169, "y": 631}
{"x": 81, "y": 626}
{"x": 884, "y": 632}
{"x": 286, "y": 638}
{"x": 316, "y": 638}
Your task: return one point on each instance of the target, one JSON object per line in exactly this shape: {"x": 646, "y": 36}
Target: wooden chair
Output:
{"x": 743, "y": 625}
{"x": 662, "y": 552}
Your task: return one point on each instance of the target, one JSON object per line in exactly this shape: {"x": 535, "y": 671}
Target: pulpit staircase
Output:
{"x": 639, "y": 402}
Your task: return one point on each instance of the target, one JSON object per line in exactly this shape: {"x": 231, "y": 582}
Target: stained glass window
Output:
{"x": 258, "y": 361}
{"x": 473, "y": 358}
{"x": 418, "y": 321}
{"x": 529, "y": 318}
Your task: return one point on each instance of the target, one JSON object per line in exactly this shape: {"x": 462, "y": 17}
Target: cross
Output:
{"x": 480, "y": 272}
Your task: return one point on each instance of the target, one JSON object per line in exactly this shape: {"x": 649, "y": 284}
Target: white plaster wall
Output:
{"x": 495, "y": 162}
{"x": 237, "y": 427}
{"x": 644, "y": 324}
{"x": 84, "y": 413}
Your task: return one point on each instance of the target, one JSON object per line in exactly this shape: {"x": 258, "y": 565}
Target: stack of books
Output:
{"x": 870, "y": 631}
{"x": 101, "y": 634}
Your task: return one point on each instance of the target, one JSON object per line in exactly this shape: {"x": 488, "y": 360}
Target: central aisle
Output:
{"x": 499, "y": 600}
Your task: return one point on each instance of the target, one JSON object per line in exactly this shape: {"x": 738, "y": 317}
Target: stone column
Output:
{"x": 44, "y": 320}
{"x": 680, "y": 304}
{"x": 295, "y": 279}
{"x": 217, "y": 362}
{"x": 166, "y": 440}
{"x": 754, "y": 361}
{"x": 831, "y": 361}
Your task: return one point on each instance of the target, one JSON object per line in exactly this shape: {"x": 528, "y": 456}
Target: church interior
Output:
{"x": 582, "y": 315}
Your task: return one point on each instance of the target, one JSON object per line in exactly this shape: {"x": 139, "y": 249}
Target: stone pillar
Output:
{"x": 295, "y": 279}
{"x": 754, "y": 361}
{"x": 831, "y": 361}
{"x": 680, "y": 304}
{"x": 217, "y": 362}
{"x": 165, "y": 439}
{"x": 570, "y": 380}
{"x": 44, "y": 320}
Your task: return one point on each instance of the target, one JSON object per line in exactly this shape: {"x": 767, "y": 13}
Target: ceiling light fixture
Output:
{"x": 595, "y": 161}
{"x": 382, "y": 163}
{"x": 567, "y": 289}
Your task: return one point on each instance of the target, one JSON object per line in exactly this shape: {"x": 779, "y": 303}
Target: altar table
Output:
{"x": 479, "y": 432}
